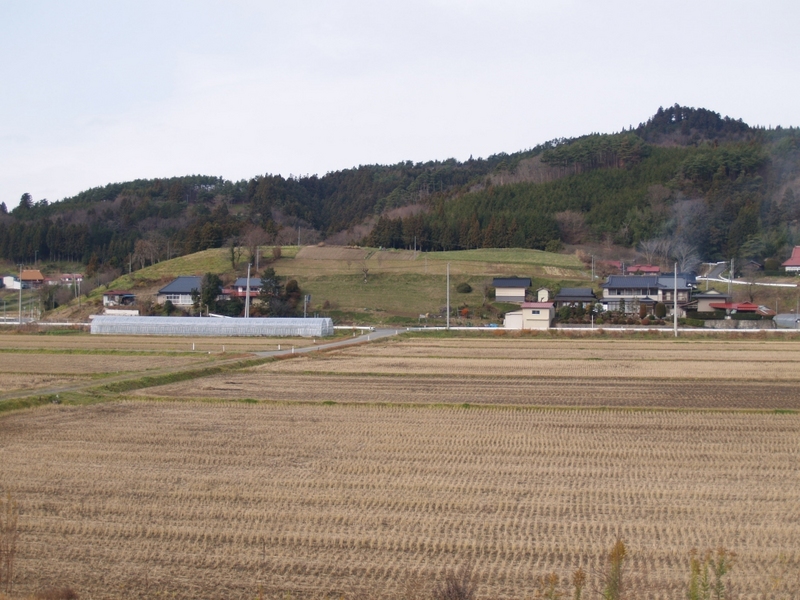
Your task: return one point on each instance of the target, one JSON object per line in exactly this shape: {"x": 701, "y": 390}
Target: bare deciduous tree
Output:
{"x": 253, "y": 238}
{"x": 685, "y": 255}
{"x": 572, "y": 226}
{"x": 145, "y": 250}
{"x": 649, "y": 248}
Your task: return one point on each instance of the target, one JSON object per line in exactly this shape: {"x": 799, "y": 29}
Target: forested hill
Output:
{"x": 687, "y": 175}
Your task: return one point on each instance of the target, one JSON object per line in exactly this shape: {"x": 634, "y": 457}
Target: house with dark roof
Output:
{"x": 511, "y": 289}
{"x": 627, "y": 292}
{"x": 180, "y": 291}
{"x": 792, "y": 264}
{"x": 582, "y": 297}
{"x": 702, "y": 302}
{"x": 239, "y": 288}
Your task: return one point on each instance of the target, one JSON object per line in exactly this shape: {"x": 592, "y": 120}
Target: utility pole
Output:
{"x": 247, "y": 296}
{"x": 675, "y": 302}
{"x": 592, "y": 269}
{"x": 448, "y": 296}
{"x": 19, "y": 318}
{"x": 730, "y": 278}
{"x": 257, "y": 249}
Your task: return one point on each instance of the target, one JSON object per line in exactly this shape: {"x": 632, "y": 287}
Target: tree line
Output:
{"x": 686, "y": 174}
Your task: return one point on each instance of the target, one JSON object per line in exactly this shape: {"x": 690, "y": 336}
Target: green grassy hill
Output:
{"x": 398, "y": 286}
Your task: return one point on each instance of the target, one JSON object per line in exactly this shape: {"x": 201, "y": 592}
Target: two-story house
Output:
{"x": 628, "y": 292}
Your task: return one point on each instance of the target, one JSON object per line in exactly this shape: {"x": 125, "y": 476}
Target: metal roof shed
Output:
{"x": 209, "y": 327}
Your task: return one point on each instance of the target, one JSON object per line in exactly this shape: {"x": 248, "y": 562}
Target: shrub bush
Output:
{"x": 463, "y": 288}
{"x": 692, "y": 322}
{"x": 660, "y": 310}
{"x": 553, "y": 246}
{"x": 705, "y": 315}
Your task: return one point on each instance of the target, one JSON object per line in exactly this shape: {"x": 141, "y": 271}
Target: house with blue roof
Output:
{"x": 181, "y": 290}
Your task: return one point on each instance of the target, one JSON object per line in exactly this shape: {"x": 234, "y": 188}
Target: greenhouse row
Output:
{"x": 210, "y": 326}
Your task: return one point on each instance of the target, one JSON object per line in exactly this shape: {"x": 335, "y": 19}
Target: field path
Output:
{"x": 77, "y": 387}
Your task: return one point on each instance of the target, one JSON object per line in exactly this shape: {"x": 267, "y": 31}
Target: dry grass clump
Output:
{"x": 197, "y": 500}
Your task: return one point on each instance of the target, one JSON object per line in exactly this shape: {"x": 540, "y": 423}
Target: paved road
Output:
{"x": 716, "y": 272}
{"x": 359, "y": 339}
{"x": 77, "y": 387}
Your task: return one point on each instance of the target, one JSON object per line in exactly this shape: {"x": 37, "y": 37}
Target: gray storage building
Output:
{"x": 209, "y": 326}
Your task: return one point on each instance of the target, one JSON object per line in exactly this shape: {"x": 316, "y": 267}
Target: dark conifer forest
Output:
{"x": 714, "y": 186}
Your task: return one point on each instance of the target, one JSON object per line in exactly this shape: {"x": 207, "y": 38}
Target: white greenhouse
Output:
{"x": 205, "y": 326}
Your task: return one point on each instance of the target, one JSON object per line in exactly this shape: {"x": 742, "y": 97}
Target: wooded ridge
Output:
{"x": 687, "y": 175}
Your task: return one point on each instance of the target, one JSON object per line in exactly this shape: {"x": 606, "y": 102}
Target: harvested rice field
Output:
{"x": 368, "y": 471}
{"x": 520, "y": 371}
{"x": 87, "y": 363}
{"x": 84, "y": 342}
{"x": 190, "y": 500}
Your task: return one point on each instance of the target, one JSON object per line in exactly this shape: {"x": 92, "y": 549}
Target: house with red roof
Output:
{"x": 643, "y": 269}
{"x": 792, "y": 265}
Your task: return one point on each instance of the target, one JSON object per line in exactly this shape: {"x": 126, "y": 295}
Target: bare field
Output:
{"x": 187, "y": 500}
{"x": 123, "y": 343}
{"x": 525, "y": 371}
{"x": 533, "y": 367}
{"x": 587, "y": 348}
{"x": 505, "y": 391}
{"x": 12, "y": 382}
{"x": 86, "y": 364}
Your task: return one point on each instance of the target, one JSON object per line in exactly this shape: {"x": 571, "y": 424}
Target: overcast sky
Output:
{"x": 93, "y": 92}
